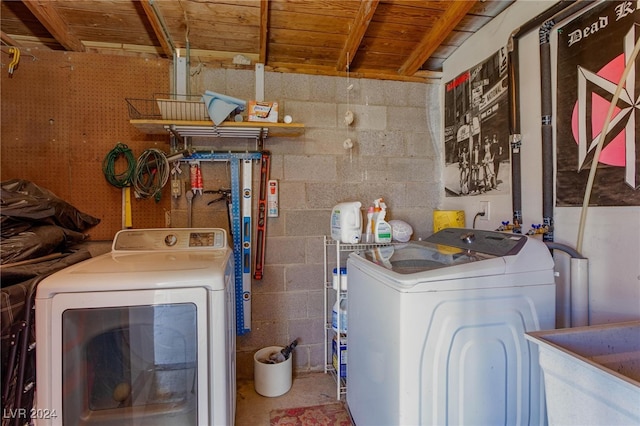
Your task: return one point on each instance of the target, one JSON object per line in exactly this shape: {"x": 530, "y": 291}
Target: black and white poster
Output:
{"x": 593, "y": 51}
{"x": 477, "y": 130}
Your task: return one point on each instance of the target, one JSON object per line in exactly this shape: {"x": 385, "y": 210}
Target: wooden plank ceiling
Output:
{"x": 382, "y": 39}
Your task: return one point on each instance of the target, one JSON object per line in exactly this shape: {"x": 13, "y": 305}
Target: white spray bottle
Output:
{"x": 370, "y": 225}
{"x": 382, "y": 229}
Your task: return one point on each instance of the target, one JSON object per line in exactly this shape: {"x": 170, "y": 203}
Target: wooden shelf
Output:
{"x": 224, "y": 129}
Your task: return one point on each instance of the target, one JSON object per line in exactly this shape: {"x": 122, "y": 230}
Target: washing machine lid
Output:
{"x": 150, "y": 259}
{"x": 454, "y": 253}
{"x": 489, "y": 243}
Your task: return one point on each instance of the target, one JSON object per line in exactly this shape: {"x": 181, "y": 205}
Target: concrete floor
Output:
{"x": 307, "y": 389}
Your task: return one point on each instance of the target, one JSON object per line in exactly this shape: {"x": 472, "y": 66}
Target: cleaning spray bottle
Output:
{"x": 368, "y": 236}
{"x": 382, "y": 229}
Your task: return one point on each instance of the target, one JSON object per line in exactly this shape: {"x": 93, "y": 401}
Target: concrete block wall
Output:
{"x": 396, "y": 156}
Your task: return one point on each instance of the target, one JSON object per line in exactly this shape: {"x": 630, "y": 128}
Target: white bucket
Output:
{"x": 271, "y": 379}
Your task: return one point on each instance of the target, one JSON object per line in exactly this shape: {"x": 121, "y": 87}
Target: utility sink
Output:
{"x": 591, "y": 374}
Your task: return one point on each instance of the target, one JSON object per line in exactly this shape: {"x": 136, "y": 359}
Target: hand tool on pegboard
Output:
{"x": 13, "y": 65}
{"x": 225, "y": 195}
{"x": 195, "y": 178}
{"x": 261, "y": 227}
{"x": 247, "y": 206}
{"x": 243, "y": 303}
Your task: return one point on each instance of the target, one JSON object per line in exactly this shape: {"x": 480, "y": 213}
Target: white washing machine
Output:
{"x": 143, "y": 335}
{"x": 436, "y": 330}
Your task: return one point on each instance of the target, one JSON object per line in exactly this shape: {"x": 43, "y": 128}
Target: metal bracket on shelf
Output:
{"x": 214, "y": 131}
{"x": 261, "y": 137}
{"x": 175, "y": 134}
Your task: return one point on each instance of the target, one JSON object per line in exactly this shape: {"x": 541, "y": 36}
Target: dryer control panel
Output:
{"x": 170, "y": 239}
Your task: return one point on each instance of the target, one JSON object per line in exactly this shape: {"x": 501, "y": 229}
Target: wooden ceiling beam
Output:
{"x": 434, "y": 38}
{"x": 45, "y": 11}
{"x": 264, "y": 30}
{"x": 159, "y": 29}
{"x": 297, "y": 68}
{"x": 357, "y": 32}
{"x": 6, "y": 38}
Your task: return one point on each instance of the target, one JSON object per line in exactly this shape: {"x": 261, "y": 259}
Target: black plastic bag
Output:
{"x": 35, "y": 222}
{"x": 26, "y": 201}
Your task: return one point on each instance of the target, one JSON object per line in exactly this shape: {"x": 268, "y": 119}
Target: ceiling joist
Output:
{"x": 157, "y": 23}
{"x": 6, "y": 39}
{"x": 357, "y": 32}
{"x": 46, "y": 12}
{"x": 434, "y": 38}
{"x": 404, "y": 40}
{"x": 264, "y": 30}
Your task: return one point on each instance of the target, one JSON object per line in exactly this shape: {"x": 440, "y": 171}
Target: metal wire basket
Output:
{"x": 168, "y": 107}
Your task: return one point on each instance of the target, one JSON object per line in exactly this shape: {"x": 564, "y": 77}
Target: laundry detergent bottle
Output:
{"x": 339, "y": 310}
{"x": 346, "y": 222}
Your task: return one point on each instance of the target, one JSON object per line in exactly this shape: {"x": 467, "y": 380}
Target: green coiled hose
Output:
{"x": 124, "y": 179}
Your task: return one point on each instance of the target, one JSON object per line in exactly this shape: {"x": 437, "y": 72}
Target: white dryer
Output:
{"x": 143, "y": 335}
{"x": 437, "y": 330}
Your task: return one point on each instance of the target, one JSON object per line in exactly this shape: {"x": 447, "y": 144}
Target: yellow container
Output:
{"x": 447, "y": 219}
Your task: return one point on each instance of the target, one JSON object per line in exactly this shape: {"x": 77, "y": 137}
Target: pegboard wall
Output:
{"x": 61, "y": 115}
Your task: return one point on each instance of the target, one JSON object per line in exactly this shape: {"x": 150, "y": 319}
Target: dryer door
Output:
{"x": 130, "y": 358}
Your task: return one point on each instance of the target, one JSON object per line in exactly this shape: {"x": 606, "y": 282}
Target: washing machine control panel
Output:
{"x": 480, "y": 241}
{"x": 170, "y": 238}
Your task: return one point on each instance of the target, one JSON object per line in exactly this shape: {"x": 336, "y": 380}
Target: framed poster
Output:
{"x": 593, "y": 51}
{"x": 477, "y": 130}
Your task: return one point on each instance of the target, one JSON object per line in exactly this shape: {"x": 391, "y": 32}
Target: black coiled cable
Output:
{"x": 151, "y": 174}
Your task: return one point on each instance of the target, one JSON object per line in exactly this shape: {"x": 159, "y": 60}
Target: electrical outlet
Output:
{"x": 484, "y": 207}
{"x": 176, "y": 188}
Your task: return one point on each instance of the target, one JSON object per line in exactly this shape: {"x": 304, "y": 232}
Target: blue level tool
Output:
{"x": 243, "y": 288}
{"x": 247, "y": 206}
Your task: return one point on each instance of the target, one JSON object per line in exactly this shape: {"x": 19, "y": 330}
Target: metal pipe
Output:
{"x": 560, "y": 10}
{"x": 546, "y": 21}
{"x": 515, "y": 136}
{"x": 547, "y": 128}
{"x": 547, "y": 114}
{"x": 579, "y": 275}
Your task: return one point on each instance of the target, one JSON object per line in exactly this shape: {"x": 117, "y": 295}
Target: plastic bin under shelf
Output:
{"x": 591, "y": 374}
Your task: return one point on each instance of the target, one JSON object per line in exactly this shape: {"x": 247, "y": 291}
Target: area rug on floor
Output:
{"x": 321, "y": 415}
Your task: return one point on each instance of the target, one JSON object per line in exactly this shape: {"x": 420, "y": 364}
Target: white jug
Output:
{"x": 346, "y": 222}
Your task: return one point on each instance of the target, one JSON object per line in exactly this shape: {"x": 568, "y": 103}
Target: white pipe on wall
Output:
{"x": 579, "y": 292}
